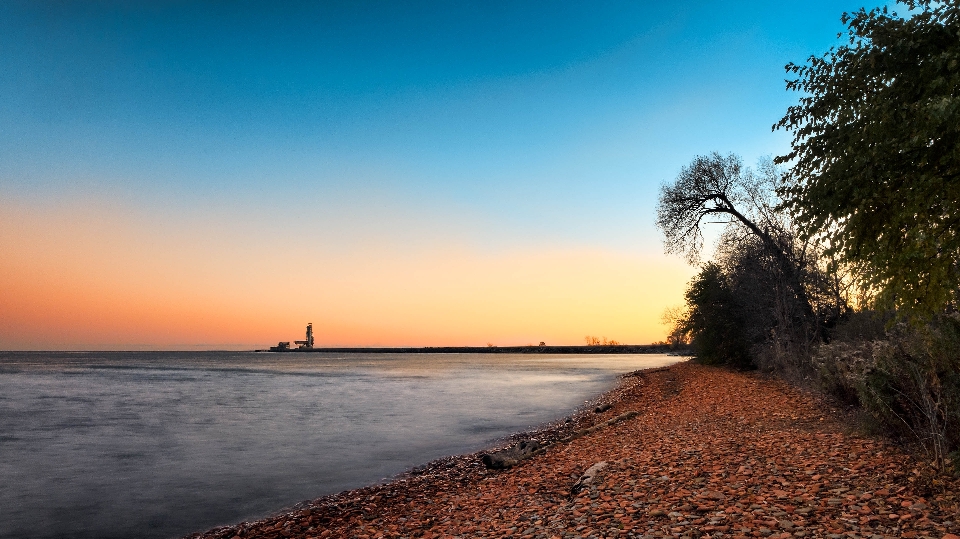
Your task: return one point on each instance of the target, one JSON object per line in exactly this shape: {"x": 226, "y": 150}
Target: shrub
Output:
{"x": 914, "y": 387}
{"x": 908, "y": 379}
{"x": 840, "y": 367}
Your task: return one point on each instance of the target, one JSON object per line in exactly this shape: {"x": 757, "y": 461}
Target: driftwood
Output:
{"x": 511, "y": 456}
{"x": 506, "y": 458}
{"x": 607, "y": 423}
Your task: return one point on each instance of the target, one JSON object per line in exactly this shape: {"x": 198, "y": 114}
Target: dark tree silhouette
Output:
{"x": 721, "y": 190}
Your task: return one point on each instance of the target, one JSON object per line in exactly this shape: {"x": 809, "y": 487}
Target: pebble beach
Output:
{"x": 683, "y": 451}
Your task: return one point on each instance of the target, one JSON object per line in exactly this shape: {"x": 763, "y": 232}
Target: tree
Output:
{"x": 713, "y": 320}
{"x": 675, "y": 319}
{"x": 721, "y": 188}
{"x": 781, "y": 290}
{"x": 711, "y": 187}
{"x": 875, "y": 160}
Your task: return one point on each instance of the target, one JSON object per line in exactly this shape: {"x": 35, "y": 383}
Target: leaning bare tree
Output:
{"x": 717, "y": 189}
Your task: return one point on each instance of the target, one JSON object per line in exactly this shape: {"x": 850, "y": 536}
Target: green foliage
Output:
{"x": 876, "y": 152}
{"x": 713, "y": 320}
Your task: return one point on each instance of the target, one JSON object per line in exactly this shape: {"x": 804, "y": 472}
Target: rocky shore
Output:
{"x": 706, "y": 452}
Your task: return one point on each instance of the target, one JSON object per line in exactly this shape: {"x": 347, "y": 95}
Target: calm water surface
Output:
{"x": 158, "y": 445}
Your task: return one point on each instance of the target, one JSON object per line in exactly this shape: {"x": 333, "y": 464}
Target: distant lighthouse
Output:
{"x": 308, "y": 342}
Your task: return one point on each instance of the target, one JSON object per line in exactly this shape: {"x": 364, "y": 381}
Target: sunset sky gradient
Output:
{"x": 214, "y": 175}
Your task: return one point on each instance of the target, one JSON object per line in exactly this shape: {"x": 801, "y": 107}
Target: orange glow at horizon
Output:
{"x": 72, "y": 281}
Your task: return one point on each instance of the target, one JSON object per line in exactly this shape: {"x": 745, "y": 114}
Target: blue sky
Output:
{"x": 366, "y": 130}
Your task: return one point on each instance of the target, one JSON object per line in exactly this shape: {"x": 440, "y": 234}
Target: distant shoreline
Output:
{"x": 531, "y": 349}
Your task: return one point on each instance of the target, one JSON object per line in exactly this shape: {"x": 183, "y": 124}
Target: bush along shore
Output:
{"x": 684, "y": 451}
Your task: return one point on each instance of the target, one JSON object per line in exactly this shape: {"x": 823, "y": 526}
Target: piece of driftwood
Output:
{"x": 509, "y": 457}
{"x": 595, "y": 428}
{"x": 588, "y": 476}
{"x": 602, "y": 408}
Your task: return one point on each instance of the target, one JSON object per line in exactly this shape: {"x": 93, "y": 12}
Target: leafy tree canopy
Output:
{"x": 876, "y": 151}
{"x": 713, "y": 321}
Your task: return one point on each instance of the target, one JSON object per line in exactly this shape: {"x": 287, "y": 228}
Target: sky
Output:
{"x": 214, "y": 175}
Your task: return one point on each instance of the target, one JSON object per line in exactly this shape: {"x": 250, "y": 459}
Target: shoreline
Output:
{"x": 708, "y": 451}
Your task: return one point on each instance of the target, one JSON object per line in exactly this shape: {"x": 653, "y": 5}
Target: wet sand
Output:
{"x": 709, "y": 452}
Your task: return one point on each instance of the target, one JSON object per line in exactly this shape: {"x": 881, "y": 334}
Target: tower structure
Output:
{"x": 308, "y": 342}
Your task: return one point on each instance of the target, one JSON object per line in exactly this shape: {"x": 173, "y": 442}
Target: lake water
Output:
{"x": 159, "y": 445}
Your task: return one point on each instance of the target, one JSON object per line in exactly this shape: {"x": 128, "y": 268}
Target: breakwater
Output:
{"x": 528, "y": 349}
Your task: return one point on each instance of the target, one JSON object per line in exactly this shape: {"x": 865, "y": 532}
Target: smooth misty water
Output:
{"x": 163, "y": 444}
